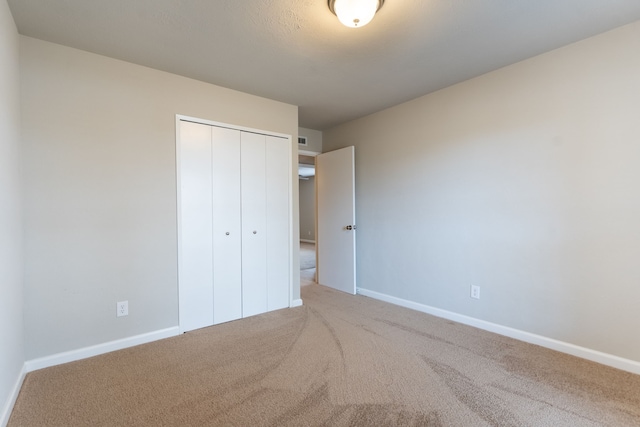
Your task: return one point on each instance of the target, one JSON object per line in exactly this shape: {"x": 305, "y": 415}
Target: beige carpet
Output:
{"x": 307, "y": 255}
{"x": 307, "y": 262}
{"x": 339, "y": 360}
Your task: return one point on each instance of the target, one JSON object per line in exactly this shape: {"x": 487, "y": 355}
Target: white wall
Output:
{"x": 11, "y": 278}
{"x": 308, "y": 209}
{"x": 524, "y": 181}
{"x": 100, "y": 198}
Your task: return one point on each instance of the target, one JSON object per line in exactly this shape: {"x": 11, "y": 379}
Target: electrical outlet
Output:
{"x": 475, "y": 291}
{"x": 122, "y": 308}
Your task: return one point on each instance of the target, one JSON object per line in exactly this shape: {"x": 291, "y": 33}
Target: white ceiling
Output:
{"x": 296, "y": 51}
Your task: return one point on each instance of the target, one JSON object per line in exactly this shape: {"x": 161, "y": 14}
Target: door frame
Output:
{"x": 179, "y": 118}
{"x": 318, "y": 242}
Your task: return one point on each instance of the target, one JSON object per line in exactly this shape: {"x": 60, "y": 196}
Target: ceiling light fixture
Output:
{"x": 355, "y": 13}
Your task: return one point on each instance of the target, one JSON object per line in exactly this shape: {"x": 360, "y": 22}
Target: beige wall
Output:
{"x": 314, "y": 140}
{"x": 524, "y": 181}
{"x": 100, "y": 200}
{"x": 308, "y": 209}
{"x": 11, "y": 311}
{"x": 307, "y": 188}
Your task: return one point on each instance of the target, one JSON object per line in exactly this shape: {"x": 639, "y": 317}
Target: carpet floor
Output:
{"x": 307, "y": 256}
{"x": 339, "y": 360}
{"x": 307, "y": 262}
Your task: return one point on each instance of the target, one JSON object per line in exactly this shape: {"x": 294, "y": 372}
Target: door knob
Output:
{"x": 255, "y": 232}
{"x": 227, "y": 233}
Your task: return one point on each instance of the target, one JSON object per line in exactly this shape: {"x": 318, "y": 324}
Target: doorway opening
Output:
{"x": 307, "y": 188}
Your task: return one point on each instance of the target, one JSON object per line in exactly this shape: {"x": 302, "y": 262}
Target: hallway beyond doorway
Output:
{"x": 307, "y": 262}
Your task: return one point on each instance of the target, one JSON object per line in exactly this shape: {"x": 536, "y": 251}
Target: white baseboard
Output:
{"x": 83, "y": 353}
{"x": 296, "y": 303}
{"x": 564, "y": 347}
{"x": 13, "y": 396}
{"x": 308, "y": 241}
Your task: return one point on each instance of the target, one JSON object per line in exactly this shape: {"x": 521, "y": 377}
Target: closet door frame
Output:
{"x": 180, "y": 118}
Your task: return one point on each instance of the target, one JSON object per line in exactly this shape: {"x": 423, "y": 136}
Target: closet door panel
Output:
{"x": 226, "y": 218}
{"x": 278, "y": 167}
{"x": 195, "y": 210}
{"x": 254, "y": 235}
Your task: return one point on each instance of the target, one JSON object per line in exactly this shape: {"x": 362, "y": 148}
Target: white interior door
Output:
{"x": 227, "y": 238}
{"x": 234, "y": 223}
{"x": 195, "y": 210}
{"x": 254, "y": 224}
{"x": 278, "y": 169}
{"x": 336, "y": 239}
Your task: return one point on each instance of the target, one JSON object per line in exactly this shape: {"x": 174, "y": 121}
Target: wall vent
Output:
{"x": 302, "y": 140}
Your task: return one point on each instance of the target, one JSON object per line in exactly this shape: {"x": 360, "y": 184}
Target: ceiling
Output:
{"x": 297, "y": 52}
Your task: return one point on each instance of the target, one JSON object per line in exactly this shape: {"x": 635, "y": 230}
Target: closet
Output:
{"x": 233, "y": 223}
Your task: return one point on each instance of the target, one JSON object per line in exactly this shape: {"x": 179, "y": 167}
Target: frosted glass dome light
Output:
{"x": 355, "y": 13}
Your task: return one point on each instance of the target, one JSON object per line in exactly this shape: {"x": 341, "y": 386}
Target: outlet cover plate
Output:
{"x": 122, "y": 308}
{"x": 475, "y": 292}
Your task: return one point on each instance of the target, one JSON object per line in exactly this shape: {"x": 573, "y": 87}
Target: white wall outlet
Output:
{"x": 475, "y": 291}
{"x": 122, "y": 308}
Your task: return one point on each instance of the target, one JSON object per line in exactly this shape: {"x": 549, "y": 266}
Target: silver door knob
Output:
{"x": 255, "y": 232}
{"x": 227, "y": 233}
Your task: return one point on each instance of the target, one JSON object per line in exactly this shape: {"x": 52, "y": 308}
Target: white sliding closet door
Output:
{"x": 254, "y": 224}
{"x": 195, "y": 245}
{"x": 277, "y": 179}
{"x": 226, "y": 217}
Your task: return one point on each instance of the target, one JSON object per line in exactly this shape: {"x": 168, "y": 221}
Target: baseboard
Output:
{"x": 95, "y": 350}
{"x": 296, "y": 303}
{"x": 13, "y": 396}
{"x": 561, "y": 346}
{"x": 308, "y": 241}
